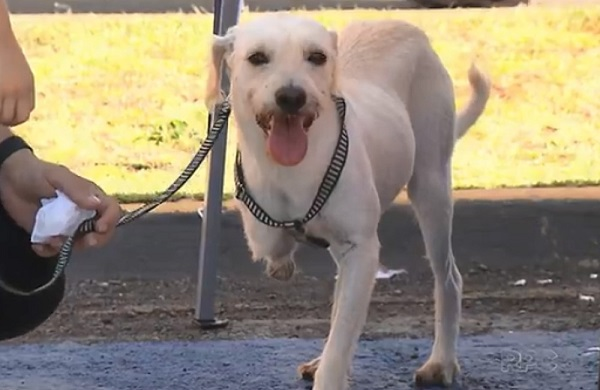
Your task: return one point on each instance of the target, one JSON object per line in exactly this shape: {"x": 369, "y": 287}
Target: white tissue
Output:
{"x": 58, "y": 216}
{"x": 385, "y": 273}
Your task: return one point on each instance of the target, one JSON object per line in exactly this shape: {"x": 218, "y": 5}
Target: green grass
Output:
{"x": 120, "y": 96}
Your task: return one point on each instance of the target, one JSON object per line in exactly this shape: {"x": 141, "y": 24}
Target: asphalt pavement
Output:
{"x": 160, "y": 6}
{"x": 501, "y": 233}
{"x": 189, "y": 6}
{"x": 524, "y": 361}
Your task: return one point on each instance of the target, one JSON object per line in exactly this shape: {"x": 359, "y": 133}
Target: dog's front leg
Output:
{"x": 358, "y": 262}
{"x": 272, "y": 245}
{"x": 308, "y": 370}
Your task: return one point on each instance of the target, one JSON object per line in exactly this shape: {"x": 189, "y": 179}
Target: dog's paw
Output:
{"x": 437, "y": 373}
{"x": 308, "y": 370}
{"x": 325, "y": 380}
{"x": 281, "y": 270}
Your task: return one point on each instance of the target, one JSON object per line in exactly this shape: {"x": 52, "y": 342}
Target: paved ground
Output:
{"x": 505, "y": 229}
{"x": 158, "y": 6}
{"x": 500, "y": 361}
{"x": 141, "y": 289}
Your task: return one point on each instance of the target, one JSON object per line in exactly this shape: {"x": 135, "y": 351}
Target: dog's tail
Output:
{"x": 480, "y": 87}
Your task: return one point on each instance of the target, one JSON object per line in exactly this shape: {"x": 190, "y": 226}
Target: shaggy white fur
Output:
{"x": 402, "y": 126}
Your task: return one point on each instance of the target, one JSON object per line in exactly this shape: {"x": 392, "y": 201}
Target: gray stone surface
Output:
{"x": 528, "y": 361}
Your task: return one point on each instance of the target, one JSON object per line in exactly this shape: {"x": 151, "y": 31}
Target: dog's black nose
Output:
{"x": 290, "y": 99}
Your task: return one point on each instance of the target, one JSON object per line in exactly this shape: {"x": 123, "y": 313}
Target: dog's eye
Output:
{"x": 258, "y": 58}
{"x": 317, "y": 58}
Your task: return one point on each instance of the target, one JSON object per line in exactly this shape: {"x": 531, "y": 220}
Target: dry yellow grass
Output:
{"x": 107, "y": 85}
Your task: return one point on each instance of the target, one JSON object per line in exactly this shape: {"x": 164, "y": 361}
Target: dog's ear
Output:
{"x": 222, "y": 46}
{"x": 334, "y": 39}
{"x": 334, "y": 45}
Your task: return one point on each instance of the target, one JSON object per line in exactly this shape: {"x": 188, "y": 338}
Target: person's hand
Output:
{"x": 24, "y": 180}
{"x": 17, "y": 90}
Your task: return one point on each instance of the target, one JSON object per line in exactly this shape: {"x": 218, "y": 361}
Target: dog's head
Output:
{"x": 281, "y": 69}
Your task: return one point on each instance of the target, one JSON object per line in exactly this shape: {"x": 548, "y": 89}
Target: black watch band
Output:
{"x": 11, "y": 145}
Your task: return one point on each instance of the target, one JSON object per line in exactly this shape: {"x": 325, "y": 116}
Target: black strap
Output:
{"x": 11, "y": 145}
{"x": 330, "y": 180}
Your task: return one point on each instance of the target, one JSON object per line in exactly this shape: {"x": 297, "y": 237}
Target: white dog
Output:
{"x": 402, "y": 126}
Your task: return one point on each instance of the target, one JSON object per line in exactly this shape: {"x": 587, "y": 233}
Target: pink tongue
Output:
{"x": 287, "y": 142}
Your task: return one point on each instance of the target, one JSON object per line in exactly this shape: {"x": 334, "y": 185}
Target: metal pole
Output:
{"x": 226, "y": 14}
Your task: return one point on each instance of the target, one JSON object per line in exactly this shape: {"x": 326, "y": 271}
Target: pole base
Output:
{"x": 211, "y": 324}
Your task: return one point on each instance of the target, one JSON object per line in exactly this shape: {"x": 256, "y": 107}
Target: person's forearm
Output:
{"x": 5, "y": 132}
{"x": 5, "y": 27}
{"x": 15, "y": 161}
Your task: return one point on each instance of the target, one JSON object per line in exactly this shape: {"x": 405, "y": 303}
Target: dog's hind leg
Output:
{"x": 430, "y": 193}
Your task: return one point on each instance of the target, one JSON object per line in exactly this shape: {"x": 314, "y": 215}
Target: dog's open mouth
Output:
{"x": 287, "y": 139}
